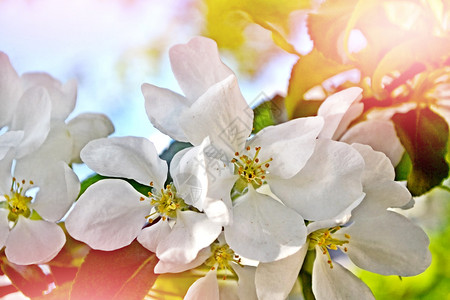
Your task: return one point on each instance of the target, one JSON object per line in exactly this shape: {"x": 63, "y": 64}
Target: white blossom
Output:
{"x": 178, "y": 229}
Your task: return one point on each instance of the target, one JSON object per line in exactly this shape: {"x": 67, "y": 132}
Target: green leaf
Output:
{"x": 403, "y": 168}
{"x": 30, "y": 280}
{"x": 263, "y": 116}
{"x": 173, "y": 149}
{"x": 90, "y": 181}
{"x": 126, "y": 273}
{"x": 424, "y": 134}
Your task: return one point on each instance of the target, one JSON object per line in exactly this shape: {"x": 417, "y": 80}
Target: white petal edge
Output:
{"x": 108, "y": 215}
{"x": 222, "y": 114}
{"x": 389, "y": 244}
{"x": 33, "y": 117}
{"x": 34, "y": 241}
{"x": 274, "y": 280}
{"x": 328, "y": 183}
{"x": 4, "y": 225}
{"x": 151, "y": 236}
{"x": 164, "y": 108}
{"x": 170, "y": 267}
{"x": 192, "y": 232}
{"x": 130, "y": 157}
{"x": 263, "y": 228}
{"x": 380, "y": 135}
{"x": 337, "y": 283}
{"x": 289, "y": 144}
{"x": 63, "y": 96}
{"x": 204, "y": 288}
{"x": 197, "y": 66}
{"x": 85, "y": 128}
{"x": 246, "y": 283}
{"x": 334, "y": 108}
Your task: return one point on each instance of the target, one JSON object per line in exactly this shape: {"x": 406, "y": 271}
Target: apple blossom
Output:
{"x": 177, "y": 229}
{"x": 236, "y": 279}
{"x": 373, "y": 237}
{"x": 35, "y": 193}
{"x": 341, "y": 108}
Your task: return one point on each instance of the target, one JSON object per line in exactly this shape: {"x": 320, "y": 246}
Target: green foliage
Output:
{"x": 424, "y": 134}
{"x": 90, "y": 181}
{"x": 263, "y": 116}
{"x": 126, "y": 273}
{"x": 403, "y": 168}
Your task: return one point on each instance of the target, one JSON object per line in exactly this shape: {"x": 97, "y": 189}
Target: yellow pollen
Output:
{"x": 17, "y": 201}
{"x": 251, "y": 169}
{"x": 221, "y": 257}
{"x": 166, "y": 202}
{"x": 325, "y": 240}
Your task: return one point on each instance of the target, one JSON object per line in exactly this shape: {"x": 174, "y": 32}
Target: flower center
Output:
{"x": 165, "y": 202}
{"x": 17, "y": 201}
{"x": 221, "y": 257}
{"x": 251, "y": 169}
{"x": 325, "y": 240}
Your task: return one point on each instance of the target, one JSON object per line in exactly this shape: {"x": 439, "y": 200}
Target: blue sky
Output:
{"x": 91, "y": 39}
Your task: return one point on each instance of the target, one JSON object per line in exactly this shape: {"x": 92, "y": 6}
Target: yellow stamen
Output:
{"x": 221, "y": 257}
{"x": 250, "y": 168}
{"x": 325, "y": 240}
{"x": 166, "y": 202}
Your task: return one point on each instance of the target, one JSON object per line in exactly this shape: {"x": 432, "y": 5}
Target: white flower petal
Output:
{"x": 85, "y": 128}
{"x": 204, "y": 288}
{"x": 63, "y": 96}
{"x": 221, "y": 179}
{"x": 10, "y": 90}
{"x": 151, "y": 236}
{"x": 274, "y": 280}
{"x": 388, "y": 244}
{"x": 222, "y": 114}
{"x": 218, "y": 211}
{"x": 192, "y": 232}
{"x": 4, "y": 225}
{"x": 8, "y": 140}
{"x": 188, "y": 170}
{"x": 170, "y": 267}
{"x": 337, "y": 283}
{"x": 58, "y": 187}
{"x": 380, "y": 135}
{"x": 263, "y": 229}
{"x": 197, "y": 66}
{"x": 34, "y": 242}
{"x": 164, "y": 108}
{"x": 5, "y": 172}
{"x": 289, "y": 144}
{"x": 33, "y": 117}
{"x": 108, "y": 216}
{"x": 130, "y": 157}
{"x": 335, "y": 108}
{"x": 328, "y": 183}
{"x": 246, "y": 283}
{"x": 381, "y": 195}
{"x": 57, "y": 146}
{"x": 378, "y": 166}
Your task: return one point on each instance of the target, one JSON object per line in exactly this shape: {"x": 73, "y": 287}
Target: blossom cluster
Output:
{"x": 239, "y": 207}
{"x": 248, "y": 207}
{"x": 38, "y": 145}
